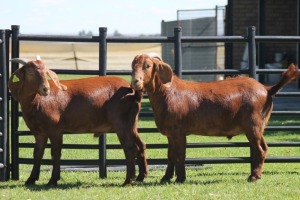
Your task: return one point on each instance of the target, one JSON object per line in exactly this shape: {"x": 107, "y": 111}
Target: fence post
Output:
{"x": 102, "y": 72}
{"x": 298, "y": 33}
{"x": 251, "y": 51}
{"x": 4, "y": 150}
{"x": 178, "y": 51}
{"x": 252, "y": 68}
{"x": 8, "y": 35}
{"x": 15, "y": 108}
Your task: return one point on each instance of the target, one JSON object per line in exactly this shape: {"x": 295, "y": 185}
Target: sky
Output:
{"x": 69, "y": 17}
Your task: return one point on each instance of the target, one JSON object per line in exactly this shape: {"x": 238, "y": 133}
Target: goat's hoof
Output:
{"x": 180, "y": 180}
{"x": 140, "y": 177}
{"x": 253, "y": 178}
{"x": 126, "y": 183}
{"x": 30, "y": 182}
{"x": 52, "y": 184}
{"x": 165, "y": 180}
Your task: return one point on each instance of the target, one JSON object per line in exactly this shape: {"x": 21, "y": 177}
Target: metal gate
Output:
{"x": 102, "y": 40}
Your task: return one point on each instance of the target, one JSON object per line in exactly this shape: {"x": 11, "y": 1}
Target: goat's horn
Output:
{"x": 18, "y": 60}
{"x": 154, "y": 55}
{"x": 38, "y": 57}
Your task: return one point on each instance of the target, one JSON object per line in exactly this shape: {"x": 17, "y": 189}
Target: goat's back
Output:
{"x": 211, "y": 108}
{"x": 86, "y": 106}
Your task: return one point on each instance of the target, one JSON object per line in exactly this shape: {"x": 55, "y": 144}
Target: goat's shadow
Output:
{"x": 63, "y": 186}
{"x": 82, "y": 185}
{"x": 145, "y": 184}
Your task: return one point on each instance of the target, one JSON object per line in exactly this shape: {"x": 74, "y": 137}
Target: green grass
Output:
{"x": 209, "y": 182}
{"x": 219, "y": 181}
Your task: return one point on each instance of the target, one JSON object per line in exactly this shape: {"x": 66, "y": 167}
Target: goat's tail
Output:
{"x": 288, "y": 76}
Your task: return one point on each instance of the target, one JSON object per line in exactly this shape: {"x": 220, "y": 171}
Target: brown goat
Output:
{"x": 221, "y": 108}
{"x": 93, "y": 105}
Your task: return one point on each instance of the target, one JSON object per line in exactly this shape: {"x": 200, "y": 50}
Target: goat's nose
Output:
{"x": 45, "y": 89}
{"x": 135, "y": 81}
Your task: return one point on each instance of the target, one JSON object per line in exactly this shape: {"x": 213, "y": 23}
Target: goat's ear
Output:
{"x": 165, "y": 72}
{"x": 55, "y": 79}
{"x": 15, "y": 83}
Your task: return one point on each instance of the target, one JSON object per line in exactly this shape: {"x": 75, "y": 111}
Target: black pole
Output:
{"x": 252, "y": 67}
{"x": 102, "y": 51}
{"x": 15, "y": 108}
{"x": 7, "y": 39}
{"x": 229, "y": 32}
{"x": 251, "y": 51}
{"x": 4, "y": 162}
{"x": 298, "y": 32}
{"x": 178, "y": 51}
{"x": 102, "y": 72}
{"x": 8, "y": 34}
{"x": 261, "y": 46}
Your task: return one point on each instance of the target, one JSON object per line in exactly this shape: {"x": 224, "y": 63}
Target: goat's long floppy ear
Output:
{"x": 55, "y": 79}
{"x": 15, "y": 83}
{"x": 164, "y": 71}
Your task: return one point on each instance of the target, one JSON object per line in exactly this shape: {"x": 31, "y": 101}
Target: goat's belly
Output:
{"x": 89, "y": 128}
{"x": 217, "y": 132}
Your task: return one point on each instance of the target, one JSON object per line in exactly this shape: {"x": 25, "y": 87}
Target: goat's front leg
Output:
{"x": 171, "y": 162}
{"x": 56, "y": 145}
{"x": 39, "y": 148}
{"x": 180, "y": 143}
{"x": 141, "y": 158}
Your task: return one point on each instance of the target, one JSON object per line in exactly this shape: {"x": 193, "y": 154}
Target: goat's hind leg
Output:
{"x": 39, "y": 148}
{"x": 260, "y": 149}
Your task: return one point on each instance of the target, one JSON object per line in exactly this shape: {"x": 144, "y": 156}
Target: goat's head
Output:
{"x": 146, "y": 67}
{"x": 33, "y": 76}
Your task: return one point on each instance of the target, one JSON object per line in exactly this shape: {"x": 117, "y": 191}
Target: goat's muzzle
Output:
{"x": 136, "y": 84}
{"x": 44, "y": 90}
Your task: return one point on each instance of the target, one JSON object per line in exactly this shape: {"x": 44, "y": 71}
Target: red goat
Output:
{"x": 95, "y": 105}
{"x": 222, "y": 108}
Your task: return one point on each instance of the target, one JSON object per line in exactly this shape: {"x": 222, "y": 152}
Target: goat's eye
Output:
{"x": 147, "y": 66}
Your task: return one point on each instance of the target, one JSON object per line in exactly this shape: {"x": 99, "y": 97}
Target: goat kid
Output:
{"x": 95, "y": 105}
{"x": 221, "y": 108}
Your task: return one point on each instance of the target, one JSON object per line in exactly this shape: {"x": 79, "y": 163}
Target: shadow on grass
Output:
{"x": 205, "y": 174}
{"x": 266, "y": 172}
{"x": 42, "y": 187}
{"x": 187, "y": 182}
{"x": 147, "y": 183}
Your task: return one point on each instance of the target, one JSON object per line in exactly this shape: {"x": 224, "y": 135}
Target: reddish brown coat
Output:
{"x": 90, "y": 105}
{"x": 221, "y": 108}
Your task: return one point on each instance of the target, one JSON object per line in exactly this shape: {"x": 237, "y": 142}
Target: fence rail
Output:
{"x": 177, "y": 40}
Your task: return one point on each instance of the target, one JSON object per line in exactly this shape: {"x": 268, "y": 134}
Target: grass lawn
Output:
{"x": 218, "y": 181}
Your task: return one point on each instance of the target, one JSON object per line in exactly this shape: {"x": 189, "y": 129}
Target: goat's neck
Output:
{"x": 28, "y": 102}
{"x": 156, "y": 92}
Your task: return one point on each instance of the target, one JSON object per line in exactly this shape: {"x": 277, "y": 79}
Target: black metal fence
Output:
{"x": 103, "y": 40}
{"x": 4, "y": 146}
